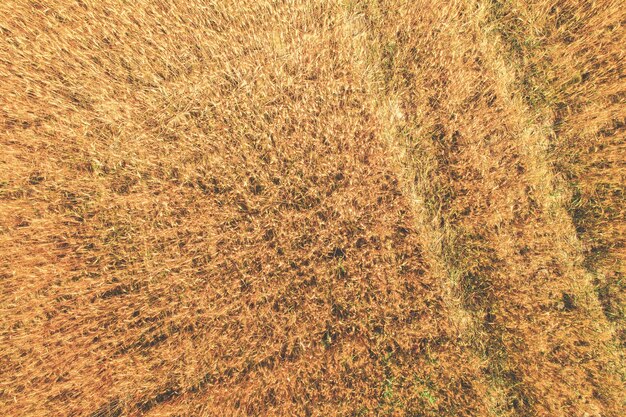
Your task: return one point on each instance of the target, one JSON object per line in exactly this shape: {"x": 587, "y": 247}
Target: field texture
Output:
{"x": 312, "y": 208}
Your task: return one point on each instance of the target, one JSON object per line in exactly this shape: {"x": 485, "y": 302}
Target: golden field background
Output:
{"x": 311, "y": 208}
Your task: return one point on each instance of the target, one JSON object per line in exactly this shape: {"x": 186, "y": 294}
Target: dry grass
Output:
{"x": 312, "y": 208}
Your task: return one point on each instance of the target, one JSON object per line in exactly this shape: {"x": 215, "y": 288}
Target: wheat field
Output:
{"x": 312, "y": 208}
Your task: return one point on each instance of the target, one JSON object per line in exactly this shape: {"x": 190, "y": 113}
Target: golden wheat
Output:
{"x": 312, "y": 208}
